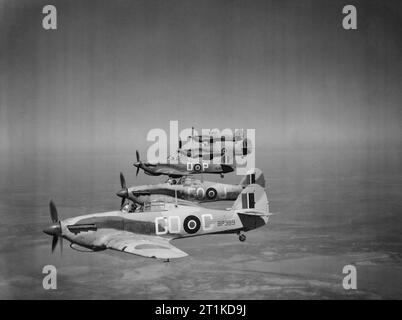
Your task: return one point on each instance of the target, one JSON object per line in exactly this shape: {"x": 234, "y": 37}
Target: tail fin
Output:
{"x": 254, "y": 176}
{"x": 252, "y": 200}
{"x": 239, "y": 135}
{"x": 223, "y": 158}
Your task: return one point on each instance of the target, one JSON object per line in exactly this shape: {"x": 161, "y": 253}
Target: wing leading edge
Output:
{"x": 143, "y": 245}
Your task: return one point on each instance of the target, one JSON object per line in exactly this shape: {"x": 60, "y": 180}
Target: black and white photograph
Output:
{"x": 215, "y": 150}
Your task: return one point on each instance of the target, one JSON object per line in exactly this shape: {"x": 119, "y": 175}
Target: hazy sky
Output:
{"x": 113, "y": 70}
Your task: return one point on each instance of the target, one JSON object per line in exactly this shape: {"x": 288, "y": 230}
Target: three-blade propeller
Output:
{"x": 123, "y": 193}
{"x": 146, "y": 166}
{"x": 54, "y": 229}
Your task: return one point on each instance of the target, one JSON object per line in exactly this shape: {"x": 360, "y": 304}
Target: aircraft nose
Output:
{"x": 53, "y": 230}
{"x": 123, "y": 193}
{"x": 226, "y": 168}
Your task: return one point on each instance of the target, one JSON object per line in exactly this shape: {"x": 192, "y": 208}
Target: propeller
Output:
{"x": 54, "y": 229}
{"x": 138, "y": 163}
{"x": 144, "y": 166}
{"x": 122, "y": 181}
{"x": 53, "y": 212}
{"x": 123, "y": 193}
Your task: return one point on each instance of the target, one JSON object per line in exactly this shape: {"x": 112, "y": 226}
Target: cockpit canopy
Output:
{"x": 186, "y": 180}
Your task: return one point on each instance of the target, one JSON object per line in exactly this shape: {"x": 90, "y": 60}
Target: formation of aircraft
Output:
{"x": 215, "y": 136}
{"x": 150, "y": 216}
{"x": 187, "y": 188}
{"x": 148, "y": 233}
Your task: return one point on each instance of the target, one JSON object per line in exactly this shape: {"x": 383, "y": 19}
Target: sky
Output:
{"x": 113, "y": 70}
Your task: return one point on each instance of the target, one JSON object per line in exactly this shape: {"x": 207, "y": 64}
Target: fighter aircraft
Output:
{"x": 149, "y": 234}
{"x": 211, "y": 150}
{"x": 187, "y": 188}
{"x": 177, "y": 170}
{"x": 214, "y": 136}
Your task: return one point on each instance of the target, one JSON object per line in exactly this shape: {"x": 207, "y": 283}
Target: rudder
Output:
{"x": 253, "y": 200}
{"x": 253, "y": 176}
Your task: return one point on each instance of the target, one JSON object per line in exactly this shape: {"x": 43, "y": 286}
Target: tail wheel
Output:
{"x": 211, "y": 193}
{"x": 242, "y": 237}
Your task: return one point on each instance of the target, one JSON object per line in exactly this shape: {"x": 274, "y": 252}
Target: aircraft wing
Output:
{"x": 143, "y": 245}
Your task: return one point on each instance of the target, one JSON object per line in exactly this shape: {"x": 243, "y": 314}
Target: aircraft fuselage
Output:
{"x": 167, "y": 221}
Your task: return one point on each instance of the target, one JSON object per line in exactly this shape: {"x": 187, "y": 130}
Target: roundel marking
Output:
{"x": 211, "y": 193}
{"x": 197, "y": 167}
{"x": 191, "y": 224}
